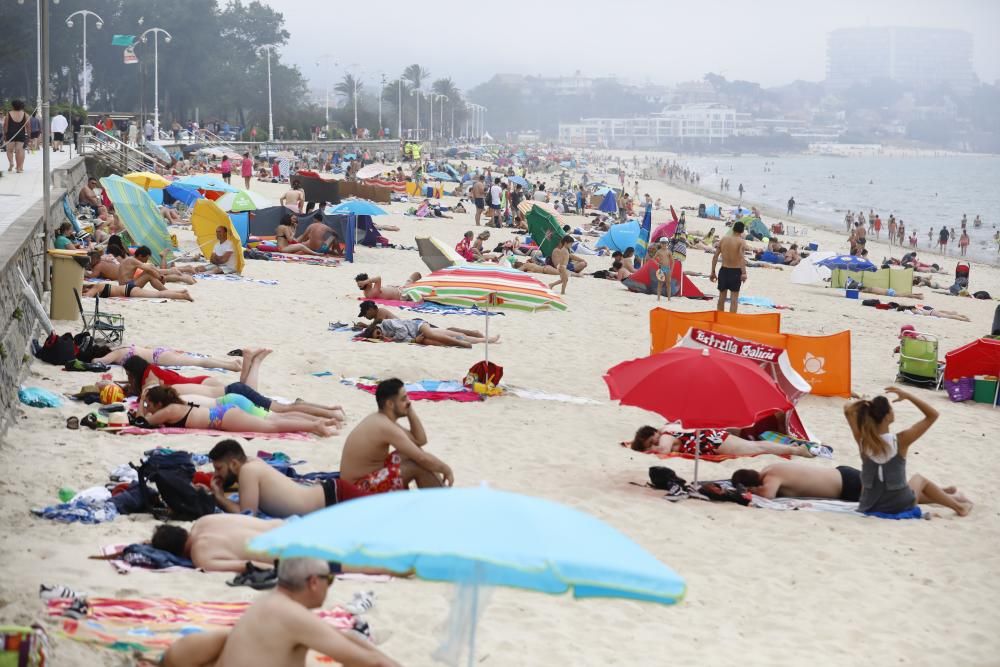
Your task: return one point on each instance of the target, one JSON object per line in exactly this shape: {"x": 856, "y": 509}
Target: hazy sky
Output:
{"x": 664, "y": 41}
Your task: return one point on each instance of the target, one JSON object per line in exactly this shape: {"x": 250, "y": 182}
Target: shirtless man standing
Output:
{"x": 264, "y": 489}
{"x": 734, "y": 267}
{"x": 374, "y": 289}
{"x": 367, "y": 460}
{"x": 479, "y": 197}
{"x": 560, "y": 260}
{"x": 279, "y": 628}
{"x": 794, "y": 480}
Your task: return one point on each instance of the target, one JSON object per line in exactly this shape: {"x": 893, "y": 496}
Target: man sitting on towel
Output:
{"x": 223, "y": 259}
{"x": 264, "y": 489}
{"x": 367, "y": 460}
{"x": 279, "y": 627}
{"x": 794, "y": 480}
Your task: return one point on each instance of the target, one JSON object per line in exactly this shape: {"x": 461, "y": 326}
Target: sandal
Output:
{"x": 256, "y": 578}
{"x": 234, "y": 353}
{"x": 73, "y": 423}
{"x": 90, "y": 421}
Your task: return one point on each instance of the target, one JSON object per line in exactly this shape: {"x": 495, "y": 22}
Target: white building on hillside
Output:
{"x": 710, "y": 123}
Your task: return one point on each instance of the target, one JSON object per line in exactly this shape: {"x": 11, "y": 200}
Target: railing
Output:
{"x": 116, "y": 154}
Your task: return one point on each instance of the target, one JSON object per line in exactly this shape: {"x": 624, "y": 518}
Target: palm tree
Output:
{"x": 415, "y": 74}
{"x": 348, "y": 86}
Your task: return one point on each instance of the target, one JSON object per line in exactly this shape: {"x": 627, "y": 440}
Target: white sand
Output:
{"x": 764, "y": 588}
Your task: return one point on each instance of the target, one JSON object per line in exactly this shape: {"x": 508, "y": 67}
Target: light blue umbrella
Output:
{"x": 206, "y": 182}
{"x": 518, "y": 180}
{"x": 479, "y": 536}
{"x": 620, "y": 237}
{"x": 442, "y": 176}
{"x": 357, "y": 207}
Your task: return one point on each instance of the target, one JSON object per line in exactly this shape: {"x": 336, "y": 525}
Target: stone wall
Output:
{"x": 22, "y": 246}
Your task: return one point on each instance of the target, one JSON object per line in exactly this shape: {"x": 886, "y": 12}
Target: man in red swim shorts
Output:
{"x": 380, "y": 455}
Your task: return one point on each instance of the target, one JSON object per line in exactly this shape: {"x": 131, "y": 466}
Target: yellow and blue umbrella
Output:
{"x": 140, "y": 215}
{"x": 479, "y": 536}
{"x": 206, "y": 217}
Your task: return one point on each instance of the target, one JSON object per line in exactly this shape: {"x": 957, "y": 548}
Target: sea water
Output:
{"x": 925, "y": 192}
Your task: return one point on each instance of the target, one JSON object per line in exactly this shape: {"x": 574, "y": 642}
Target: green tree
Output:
{"x": 416, "y": 74}
{"x": 348, "y": 87}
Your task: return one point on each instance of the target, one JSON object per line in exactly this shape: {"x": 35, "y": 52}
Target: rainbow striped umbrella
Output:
{"x": 140, "y": 215}
{"x": 470, "y": 285}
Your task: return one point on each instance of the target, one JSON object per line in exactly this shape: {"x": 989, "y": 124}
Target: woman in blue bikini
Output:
{"x": 885, "y": 490}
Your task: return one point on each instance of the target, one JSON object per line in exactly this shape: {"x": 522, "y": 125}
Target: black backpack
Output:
{"x": 665, "y": 479}
{"x": 172, "y": 474}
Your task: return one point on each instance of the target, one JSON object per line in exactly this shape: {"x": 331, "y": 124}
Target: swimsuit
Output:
{"x": 385, "y": 479}
{"x": 106, "y": 291}
{"x": 216, "y": 413}
{"x": 129, "y": 286}
{"x": 243, "y": 403}
{"x": 338, "y": 490}
{"x": 182, "y": 422}
{"x": 730, "y": 279}
{"x": 850, "y": 481}
{"x": 709, "y": 444}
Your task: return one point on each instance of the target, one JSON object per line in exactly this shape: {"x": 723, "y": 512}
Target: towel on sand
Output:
{"x": 233, "y": 278}
{"x": 717, "y": 458}
{"x": 149, "y": 626}
{"x": 170, "y": 430}
{"x": 429, "y": 307}
{"x": 424, "y": 390}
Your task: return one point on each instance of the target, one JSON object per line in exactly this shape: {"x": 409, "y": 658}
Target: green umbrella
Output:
{"x": 544, "y": 229}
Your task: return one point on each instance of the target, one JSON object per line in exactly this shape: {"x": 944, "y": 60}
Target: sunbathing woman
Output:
{"x": 711, "y": 442}
{"x": 162, "y": 406}
{"x": 532, "y": 267}
{"x": 142, "y": 375}
{"x": 420, "y": 332}
{"x": 166, "y": 356}
{"x": 884, "y": 487}
{"x": 106, "y": 290}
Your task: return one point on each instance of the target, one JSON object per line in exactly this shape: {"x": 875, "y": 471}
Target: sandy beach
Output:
{"x": 764, "y": 587}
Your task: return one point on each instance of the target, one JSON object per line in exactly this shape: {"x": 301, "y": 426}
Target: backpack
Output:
{"x": 56, "y": 349}
{"x": 665, "y": 479}
{"x": 172, "y": 474}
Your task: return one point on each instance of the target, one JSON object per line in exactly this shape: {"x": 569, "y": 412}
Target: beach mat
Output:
{"x": 150, "y": 625}
{"x": 715, "y": 458}
{"x": 424, "y": 390}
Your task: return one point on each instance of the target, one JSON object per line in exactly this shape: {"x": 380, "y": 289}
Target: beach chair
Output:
{"x": 918, "y": 361}
{"x": 106, "y": 328}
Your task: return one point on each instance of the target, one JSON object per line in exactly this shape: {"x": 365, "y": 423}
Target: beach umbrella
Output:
{"x": 642, "y": 243}
{"x": 157, "y": 151}
{"x": 437, "y": 255}
{"x": 357, "y": 207}
{"x": 243, "y": 200}
{"x": 140, "y": 215}
{"x": 697, "y": 389}
{"x": 847, "y": 263}
{"x": 609, "y": 204}
{"x": 544, "y": 225}
{"x": 518, "y": 180}
{"x": 185, "y": 194}
{"x": 371, "y": 171}
{"x": 206, "y": 217}
{"x": 442, "y": 176}
{"x": 147, "y": 180}
{"x": 620, "y": 237}
{"x": 808, "y": 272}
{"x": 212, "y": 182}
{"x": 474, "y": 285}
{"x": 479, "y": 536}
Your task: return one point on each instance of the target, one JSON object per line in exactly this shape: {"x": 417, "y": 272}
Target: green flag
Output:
{"x": 122, "y": 40}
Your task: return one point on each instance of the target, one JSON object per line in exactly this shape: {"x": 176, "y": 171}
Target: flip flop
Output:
{"x": 234, "y": 353}
{"x": 73, "y": 423}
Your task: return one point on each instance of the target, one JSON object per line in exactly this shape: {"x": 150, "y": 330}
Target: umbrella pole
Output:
{"x": 487, "y": 344}
{"x": 697, "y": 456}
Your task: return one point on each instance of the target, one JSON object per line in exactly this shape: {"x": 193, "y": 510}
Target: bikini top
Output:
{"x": 182, "y": 422}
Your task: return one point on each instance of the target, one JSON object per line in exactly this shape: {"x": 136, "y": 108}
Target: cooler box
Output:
{"x": 986, "y": 389}
{"x": 851, "y": 293}
{"x": 812, "y": 247}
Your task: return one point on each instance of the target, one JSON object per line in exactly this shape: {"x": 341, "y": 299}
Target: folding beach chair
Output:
{"x": 107, "y": 328}
{"x": 918, "y": 361}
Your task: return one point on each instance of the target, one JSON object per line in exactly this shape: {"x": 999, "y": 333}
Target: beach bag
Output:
{"x": 961, "y": 389}
{"x": 665, "y": 479}
{"x": 57, "y": 350}
{"x": 484, "y": 372}
{"x": 172, "y": 474}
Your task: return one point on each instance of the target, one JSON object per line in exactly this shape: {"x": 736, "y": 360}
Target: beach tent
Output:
{"x": 206, "y": 217}
{"x": 609, "y": 204}
{"x": 437, "y": 255}
{"x": 773, "y": 360}
{"x": 713, "y": 211}
{"x": 140, "y": 215}
{"x": 808, "y": 272}
{"x": 644, "y": 276}
{"x": 620, "y": 237}
{"x": 454, "y": 172}
{"x": 824, "y": 361}
{"x": 241, "y": 223}
{"x": 740, "y": 212}
{"x": 755, "y": 227}
{"x": 980, "y": 357}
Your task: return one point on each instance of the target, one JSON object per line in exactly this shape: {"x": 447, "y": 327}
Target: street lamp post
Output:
{"x": 399, "y": 107}
{"x": 326, "y": 107}
{"x": 441, "y": 112}
{"x": 381, "y": 89}
{"x": 156, "y": 73}
{"x": 84, "y": 13}
{"x": 270, "y": 110}
{"x": 417, "y": 92}
{"x": 430, "y": 132}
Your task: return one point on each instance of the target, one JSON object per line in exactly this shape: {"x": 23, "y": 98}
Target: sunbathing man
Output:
{"x": 264, "y": 489}
{"x": 710, "y": 443}
{"x": 137, "y": 271}
{"x": 319, "y": 238}
{"x": 531, "y": 267}
{"x": 163, "y": 406}
{"x": 795, "y": 480}
{"x": 278, "y": 628}
{"x": 367, "y": 460}
{"x": 422, "y": 333}
{"x": 284, "y": 236}
{"x": 374, "y": 289}
{"x": 218, "y": 543}
{"x": 142, "y": 375}
{"x": 101, "y": 267}
{"x": 371, "y": 311}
